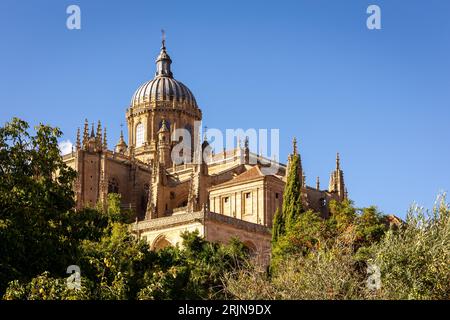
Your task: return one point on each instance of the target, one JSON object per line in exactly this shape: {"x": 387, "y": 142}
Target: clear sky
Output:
{"x": 310, "y": 68}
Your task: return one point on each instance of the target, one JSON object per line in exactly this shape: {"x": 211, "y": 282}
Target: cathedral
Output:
{"x": 224, "y": 195}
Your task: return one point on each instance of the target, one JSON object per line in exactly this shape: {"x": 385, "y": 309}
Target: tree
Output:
{"x": 277, "y": 225}
{"x": 414, "y": 260}
{"x": 35, "y": 196}
{"x": 292, "y": 201}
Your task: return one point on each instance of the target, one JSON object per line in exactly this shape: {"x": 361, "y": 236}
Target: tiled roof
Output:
{"x": 249, "y": 175}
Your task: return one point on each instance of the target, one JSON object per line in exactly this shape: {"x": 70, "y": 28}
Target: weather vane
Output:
{"x": 163, "y": 33}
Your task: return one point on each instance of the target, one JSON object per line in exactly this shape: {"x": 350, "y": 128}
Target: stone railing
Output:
{"x": 241, "y": 224}
{"x": 179, "y": 209}
{"x": 199, "y": 216}
{"x": 168, "y": 221}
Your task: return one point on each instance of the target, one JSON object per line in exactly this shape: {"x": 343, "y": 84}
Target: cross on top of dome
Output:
{"x": 163, "y": 61}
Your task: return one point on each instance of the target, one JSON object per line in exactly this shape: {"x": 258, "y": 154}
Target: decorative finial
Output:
{"x": 105, "y": 143}
{"x": 92, "y": 131}
{"x": 163, "y": 126}
{"x": 78, "y": 144}
{"x": 294, "y": 146}
{"x": 318, "y": 183}
{"x": 163, "y": 39}
{"x": 99, "y": 132}
{"x": 338, "y": 162}
{"x": 86, "y": 131}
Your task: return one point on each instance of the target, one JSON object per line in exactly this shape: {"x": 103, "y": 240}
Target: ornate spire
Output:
{"x": 163, "y": 126}
{"x": 85, "y": 132}
{"x": 78, "y": 143}
{"x": 163, "y": 61}
{"x": 105, "y": 143}
{"x": 99, "y": 133}
{"x": 121, "y": 146}
{"x": 337, "y": 180}
{"x": 295, "y": 156}
{"x": 338, "y": 162}
{"x": 121, "y": 136}
{"x": 294, "y": 146}
{"x": 92, "y": 131}
{"x": 318, "y": 183}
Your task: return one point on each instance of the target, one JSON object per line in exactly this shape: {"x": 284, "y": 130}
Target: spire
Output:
{"x": 85, "y": 132}
{"x": 163, "y": 126}
{"x": 318, "y": 183}
{"x": 338, "y": 162}
{"x": 294, "y": 146}
{"x": 121, "y": 146}
{"x": 99, "y": 133}
{"x": 92, "y": 131}
{"x": 295, "y": 156}
{"x": 105, "y": 143}
{"x": 78, "y": 143}
{"x": 337, "y": 180}
{"x": 121, "y": 136}
{"x": 163, "y": 61}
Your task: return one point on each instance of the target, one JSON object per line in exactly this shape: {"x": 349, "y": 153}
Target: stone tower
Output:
{"x": 337, "y": 184}
{"x": 162, "y": 98}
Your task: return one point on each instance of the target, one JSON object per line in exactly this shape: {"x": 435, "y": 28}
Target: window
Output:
{"x": 226, "y": 206}
{"x": 139, "y": 135}
{"x": 113, "y": 186}
{"x": 248, "y": 205}
{"x": 277, "y": 195}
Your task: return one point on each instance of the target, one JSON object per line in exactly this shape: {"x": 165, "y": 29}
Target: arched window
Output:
{"x": 161, "y": 242}
{"x": 139, "y": 135}
{"x": 113, "y": 186}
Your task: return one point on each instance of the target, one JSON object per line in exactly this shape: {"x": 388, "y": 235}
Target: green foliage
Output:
{"x": 44, "y": 287}
{"x": 41, "y": 235}
{"x": 34, "y": 202}
{"x": 323, "y": 274}
{"x": 292, "y": 202}
{"x": 114, "y": 211}
{"x": 328, "y": 259}
{"x": 287, "y": 218}
{"x": 303, "y": 236}
{"x": 414, "y": 261}
{"x": 313, "y": 258}
{"x": 195, "y": 271}
{"x": 277, "y": 225}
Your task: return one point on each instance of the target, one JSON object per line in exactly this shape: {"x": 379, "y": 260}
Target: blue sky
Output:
{"x": 310, "y": 68}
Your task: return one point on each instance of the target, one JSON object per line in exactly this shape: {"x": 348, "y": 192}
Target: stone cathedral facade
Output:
{"x": 229, "y": 194}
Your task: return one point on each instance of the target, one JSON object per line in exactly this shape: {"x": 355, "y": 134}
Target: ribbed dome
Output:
{"x": 163, "y": 87}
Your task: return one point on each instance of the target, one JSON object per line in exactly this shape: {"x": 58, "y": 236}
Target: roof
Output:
{"x": 252, "y": 174}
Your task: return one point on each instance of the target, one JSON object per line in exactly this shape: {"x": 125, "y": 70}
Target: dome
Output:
{"x": 164, "y": 88}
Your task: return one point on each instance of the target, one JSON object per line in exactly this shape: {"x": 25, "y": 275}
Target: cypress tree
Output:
{"x": 292, "y": 204}
{"x": 278, "y": 225}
